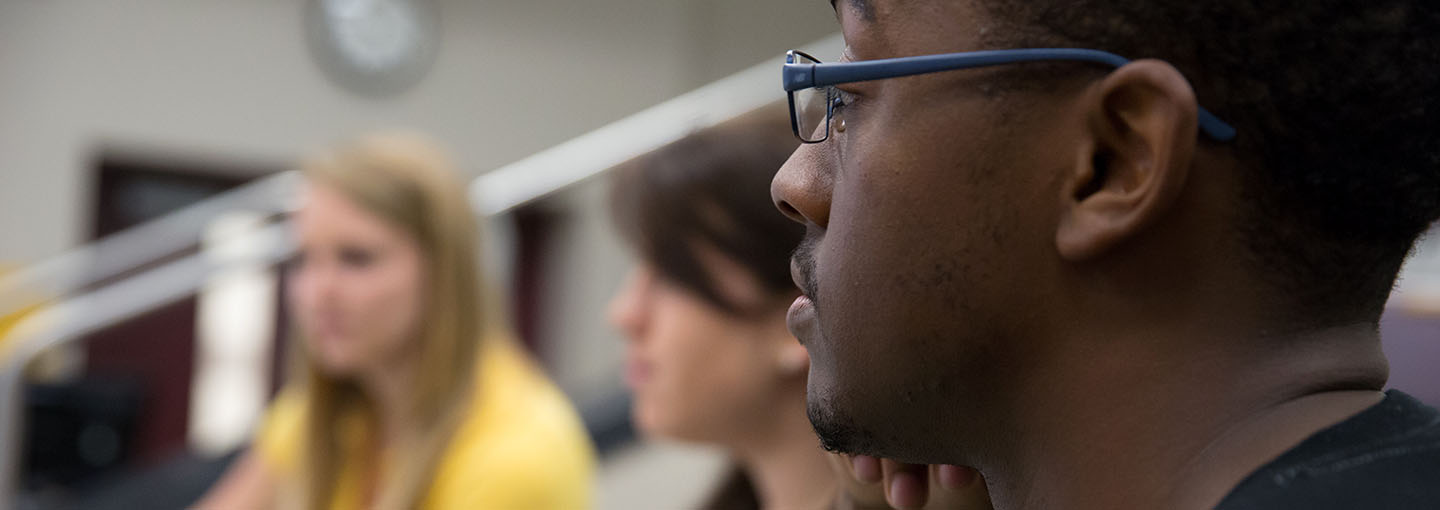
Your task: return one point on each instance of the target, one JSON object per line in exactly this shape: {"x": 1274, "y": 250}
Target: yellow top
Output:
{"x": 521, "y": 447}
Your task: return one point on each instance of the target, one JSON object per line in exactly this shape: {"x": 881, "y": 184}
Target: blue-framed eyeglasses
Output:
{"x": 811, "y": 84}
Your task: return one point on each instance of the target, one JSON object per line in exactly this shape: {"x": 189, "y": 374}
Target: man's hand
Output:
{"x": 867, "y": 483}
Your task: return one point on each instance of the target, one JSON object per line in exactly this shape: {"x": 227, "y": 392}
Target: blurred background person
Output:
{"x": 709, "y": 357}
{"x": 410, "y": 391}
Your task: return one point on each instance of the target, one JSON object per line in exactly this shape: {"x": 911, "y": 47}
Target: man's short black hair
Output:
{"x": 1337, "y": 103}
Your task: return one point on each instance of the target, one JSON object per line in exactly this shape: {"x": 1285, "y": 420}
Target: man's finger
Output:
{"x": 957, "y": 488}
{"x": 906, "y": 485}
{"x": 866, "y": 469}
{"x": 860, "y": 482}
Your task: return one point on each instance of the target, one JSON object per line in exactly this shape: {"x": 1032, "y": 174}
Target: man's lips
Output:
{"x": 798, "y": 276}
{"x": 800, "y": 319}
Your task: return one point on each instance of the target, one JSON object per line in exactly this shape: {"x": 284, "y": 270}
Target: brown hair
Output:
{"x": 712, "y": 189}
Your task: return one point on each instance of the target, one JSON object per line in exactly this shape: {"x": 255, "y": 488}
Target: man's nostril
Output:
{"x": 790, "y": 211}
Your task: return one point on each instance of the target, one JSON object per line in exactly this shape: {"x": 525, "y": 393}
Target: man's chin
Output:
{"x": 837, "y": 430}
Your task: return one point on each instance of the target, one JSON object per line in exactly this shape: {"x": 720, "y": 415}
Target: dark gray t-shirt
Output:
{"x": 1387, "y": 457}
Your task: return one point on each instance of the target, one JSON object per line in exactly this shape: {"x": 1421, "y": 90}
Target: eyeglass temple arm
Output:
{"x": 803, "y": 76}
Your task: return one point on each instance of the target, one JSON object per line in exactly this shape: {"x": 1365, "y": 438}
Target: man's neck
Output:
{"x": 1156, "y": 427}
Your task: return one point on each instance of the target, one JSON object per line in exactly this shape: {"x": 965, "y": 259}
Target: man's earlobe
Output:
{"x": 1141, "y": 123}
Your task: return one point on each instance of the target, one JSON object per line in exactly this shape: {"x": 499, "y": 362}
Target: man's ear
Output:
{"x": 1141, "y": 122}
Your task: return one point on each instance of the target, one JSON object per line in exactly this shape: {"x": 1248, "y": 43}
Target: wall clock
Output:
{"x": 373, "y": 47}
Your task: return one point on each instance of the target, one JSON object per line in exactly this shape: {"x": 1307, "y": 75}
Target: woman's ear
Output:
{"x": 1141, "y": 120}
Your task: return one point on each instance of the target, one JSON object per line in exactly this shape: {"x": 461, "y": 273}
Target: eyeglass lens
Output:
{"x": 812, "y": 108}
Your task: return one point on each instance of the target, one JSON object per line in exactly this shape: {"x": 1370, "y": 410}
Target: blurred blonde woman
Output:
{"x": 409, "y": 392}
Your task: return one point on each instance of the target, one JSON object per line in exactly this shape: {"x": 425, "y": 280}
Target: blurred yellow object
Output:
{"x": 9, "y": 319}
{"x": 8, "y": 322}
{"x": 50, "y": 365}
{"x": 521, "y": 446}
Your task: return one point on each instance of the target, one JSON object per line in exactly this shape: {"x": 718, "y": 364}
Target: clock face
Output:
{"x": 373, "y": 47}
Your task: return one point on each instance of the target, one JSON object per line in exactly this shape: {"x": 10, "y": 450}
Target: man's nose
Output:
{"x": 801, "y": 189}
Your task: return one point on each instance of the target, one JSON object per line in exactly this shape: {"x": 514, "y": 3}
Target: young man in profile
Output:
{"x": 1106, "y": 284}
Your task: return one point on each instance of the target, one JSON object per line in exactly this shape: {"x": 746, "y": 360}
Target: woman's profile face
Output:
{"x": 698, "y": 373}
{"x": 355, "y": 288}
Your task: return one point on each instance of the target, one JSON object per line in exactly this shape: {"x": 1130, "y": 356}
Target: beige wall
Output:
{"x": 217, "y": 78}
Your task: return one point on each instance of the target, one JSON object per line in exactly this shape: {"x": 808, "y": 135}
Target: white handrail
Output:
{"x": 131, "y": 248}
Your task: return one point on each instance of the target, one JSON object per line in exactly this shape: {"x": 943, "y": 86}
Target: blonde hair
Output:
{"x": 406, "y": 180}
